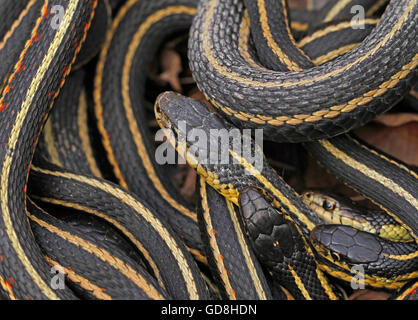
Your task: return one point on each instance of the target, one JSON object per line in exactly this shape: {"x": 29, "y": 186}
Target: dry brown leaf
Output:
{"x": 188, "y": 189}
{"x": 400, "y": 141}
{"x": 369, "y": 295}
{"x": 172, "y": 67}
{"x": 396, "y": 119}
{"x": 184, "y": 180}
{"x": 307, "y": 4}
{"x": 316, "y": 177}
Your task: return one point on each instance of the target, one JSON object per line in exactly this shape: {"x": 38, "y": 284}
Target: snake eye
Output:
{"x": 328, "y": 205}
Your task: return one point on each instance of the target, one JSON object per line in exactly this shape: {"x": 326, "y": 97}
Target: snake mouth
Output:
{"x": 329, "y": 209}
{"x": 166, "y": 108}
{"x": 162, "y": 106}
{"x": 159, "y": 110}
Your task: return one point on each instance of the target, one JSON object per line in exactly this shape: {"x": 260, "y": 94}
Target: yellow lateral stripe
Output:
{"x": 287, "y": 293}
{"x": 375, "y": 281}
{"x": 289, "y": 32}
{"x": 375, "y": 7}
{"x": 335, "y": 10}
{"x": 245, "y": 251}
{"x": 320, "y": 114}
{"x": 408, "y": 291}
{"x": 7, "y": 288}
{"x": 144, "y": 213}
{"x": 284, "y": 59}
{"x": 14, "y": 135}
{"x": 388, "y": 183}
{"x": 223, "y": 273}
{"x": 117, "y": 225}
{"x": 127, "y": 104}
{"x": 83, "y": 132}
{"x": 402, "y": 257}
{"x": 83, "y": 282}
{"x": 211, "y": 285}
{"x": 299, "y": 283}
{"x": 197, "y": 255}
{"x": 98, "y": 110}
{"x": 243, "y": 40}
{"x": 50, "y": 144}
{"x": 16, "y": 23}
{"x": 361, "y": 167}
{"x": 333, "y": 28}
{"x": 400, "y": 165}
{"x": 103, "y": 255}
{"x": 331, "y": 112}
{"x": 236, "y": 77}
{"x": 282, "y": 199}
{"x": 334, "y": 53}
{"x": 244, "y": 35}
{"x": 256, "y": 174}
{"x": 276, "y": 192}
{"x": 298, "y": 26}
{"x": 131, "y": 119}
{"x": 325, "y": 284}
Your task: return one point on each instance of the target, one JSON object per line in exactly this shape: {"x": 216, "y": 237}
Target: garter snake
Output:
{"x": 322, "y": 281}
{"x": 88, "y": 262}
{"x": 309, "y": 20}
{"x": 170, "y": 262}
{"x": 334, "y": 40}
{"x": 230, "y": 177}
{"x": 66, "y": 140}
{"x": 230, "y": 256}
{"x": 394, "y": 184}
{"x": 13, "y": 38}
{"x": 336, "y": 10}
{"x": 402, "y": 207}
{"x": 392, "y": 250}
{"x": 336, "y": 209}
{"x": 72, "y": 160}
{"x": 297, "y": 106}
{"x": 230, "y": 180}
{"x": 281, "y": 247}
{"x": 46, "y": 58}
{"x": 74, "y": 149}
{"x": 138, "y": 30}
{"x": 409, "y": 293}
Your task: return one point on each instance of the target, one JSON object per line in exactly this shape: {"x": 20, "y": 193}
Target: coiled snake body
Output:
{"x": 96, "y": 155}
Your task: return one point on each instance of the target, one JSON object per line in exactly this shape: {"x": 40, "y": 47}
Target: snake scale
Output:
{"x": 84, "y": 195}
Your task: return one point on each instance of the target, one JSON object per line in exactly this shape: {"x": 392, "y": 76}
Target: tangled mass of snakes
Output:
{"x": 90, "y": 206}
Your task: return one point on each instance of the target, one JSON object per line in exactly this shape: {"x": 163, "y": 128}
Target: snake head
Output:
{"x": 346, "y": 244}
{"x": 328, "y": 208}
{"x": 274, "y": 237}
